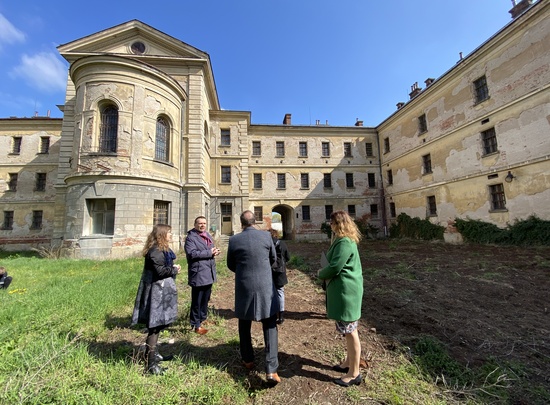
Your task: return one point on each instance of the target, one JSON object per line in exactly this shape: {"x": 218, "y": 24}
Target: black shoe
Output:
{"x": 340, "y": 369}
{"x": 160, "y": 357}
{"x": 281, "y": 318}
{"x": 342, "y": 383}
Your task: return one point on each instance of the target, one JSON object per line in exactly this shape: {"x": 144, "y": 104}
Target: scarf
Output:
{"x": 206, "y": 238}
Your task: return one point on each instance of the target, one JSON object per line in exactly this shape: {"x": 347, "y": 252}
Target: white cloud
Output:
{"x": 8, "y": 33}
{"x": 44, "y": 71}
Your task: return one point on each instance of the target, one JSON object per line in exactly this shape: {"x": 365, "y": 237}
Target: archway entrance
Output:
{"x": 287, "y": 220}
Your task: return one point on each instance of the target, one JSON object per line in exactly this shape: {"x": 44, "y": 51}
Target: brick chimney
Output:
{"x": 429, "y": 81}
{"x": 288, "y": 119}
{"x": 519, "y": 7}
{"x": 415, "y": 90}
{"x": 358, "y": 123}
{"x": 400, "y": 105}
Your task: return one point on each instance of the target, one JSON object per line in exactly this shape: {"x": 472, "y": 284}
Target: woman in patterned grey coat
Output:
{"x": 157, "y": 300}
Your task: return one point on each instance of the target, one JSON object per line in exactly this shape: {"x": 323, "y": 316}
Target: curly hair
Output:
{"x": 342, "y": 225}
{"x": 159, "y": 237}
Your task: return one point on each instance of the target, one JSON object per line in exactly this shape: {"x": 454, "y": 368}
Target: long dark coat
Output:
{"x": 201, "y": 268}
{"x": 157, "y": 299}
{"x": 250, "y": 255}
{"x": 279, "y": 267}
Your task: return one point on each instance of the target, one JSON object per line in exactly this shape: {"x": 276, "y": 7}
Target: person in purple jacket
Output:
{"x": 201, "y": 265}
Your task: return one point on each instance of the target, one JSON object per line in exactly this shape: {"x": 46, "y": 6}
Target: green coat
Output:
{"x": 345, "y": 288}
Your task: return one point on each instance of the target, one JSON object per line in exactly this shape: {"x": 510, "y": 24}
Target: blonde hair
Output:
{"x": 342, "y": 226}
{"x": 2, "y": 270}
{"x": 159, "y": 237}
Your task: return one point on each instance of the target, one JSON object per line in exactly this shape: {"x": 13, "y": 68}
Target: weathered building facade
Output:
{"x": 143, "y": 140}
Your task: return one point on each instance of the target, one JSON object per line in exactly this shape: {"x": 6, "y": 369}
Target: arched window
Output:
{"x": 162, "y": 140}
{"x": 108, "y": 130}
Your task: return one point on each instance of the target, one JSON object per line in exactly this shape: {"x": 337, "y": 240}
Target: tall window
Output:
{"x": 347, "y": 149}
{"x": 162, "y": 140}
{"x": 481, "y": 90}
{"x": 351, "y": 210}
{"x": 371, "y": 177}
{"x": 489, "y": 140}
{"x": 281, "y": 181}
{"x": 328, "y": 211}
{"x": 161, "y": 212}
{"x": 12, "y": 182}
{"x": 280, "y": 148}
{"x": 44, "y": 144}
{"x": 302, "y": 149}
{"x": 498, "y": 200}
{"x": 225, "y": 137}
{"x": 304, "y": 180}
{"x": 259, "y": 213}
{"x": 37, "y": 219}
{"x": 256, "y": 148}
{"x": 258, "y": 180}
{"x": 305, "y": 213}
{"x": 8, "y": 220}
{"x": 374, "y": 210}
{"x": 349, "y": 180}
{"x": 226, "y": 174}
{"x": 386, "y": 145}
{"x": 432, "y": 206}
{"x": 16, "y": 145}
{"x": 422, "y": 124}
{"x": 327, "y": 180}
{"x": 40, "y": 182}
{"x": 427, "y": 163}
{"x": 102, "y": 216}
{"x": 325, "y": 149}
{"x": 393, "y": 212}
{"x": 108, "y": 130}
{"x": 368, "y": 149}
{"x": 389, "y": 173}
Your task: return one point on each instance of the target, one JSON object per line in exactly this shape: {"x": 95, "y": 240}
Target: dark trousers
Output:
{"x": 200, "y": 296}
{"x": 271, "y": 341}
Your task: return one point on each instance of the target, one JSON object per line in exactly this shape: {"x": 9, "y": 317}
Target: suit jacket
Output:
{"x": 250, "y": 255}
{"x": 201, "y": 265}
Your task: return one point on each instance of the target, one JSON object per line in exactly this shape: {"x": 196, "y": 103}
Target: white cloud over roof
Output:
{"x": 8, "y": 33}
{"x": 43, "y": 71}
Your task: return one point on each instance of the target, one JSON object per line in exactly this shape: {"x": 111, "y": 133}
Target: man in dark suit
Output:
{"x": 250, "y": 255}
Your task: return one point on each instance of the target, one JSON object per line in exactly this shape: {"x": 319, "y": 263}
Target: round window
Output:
{"x": 138, "y": 47}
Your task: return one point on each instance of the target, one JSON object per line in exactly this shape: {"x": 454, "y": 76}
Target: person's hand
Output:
{"x": 178, "y": 268}
{"x": 215, "y": 251}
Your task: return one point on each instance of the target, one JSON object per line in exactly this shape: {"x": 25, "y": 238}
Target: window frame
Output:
{"x": 371, "y": 180}
{"x": 161, "y": 210}
{"x": 369, "y": 151}
{"x": 481, "y": 89}
{"x": 37, "y": 219}
{"x": 351, "y": 211}
{"x": 12, "y": 182}
{"x": 350, "y": 180}
{"x": 329, "y": 209}
{"x": 107, "y": 214}
{"x": 393, "y": 211}
{"x": 304, "y": 181}
{"x": 302, "y": 149}
{"x": 44, "y": 145}
{"x": 325, "y": 149}
{"x": 281, "y": 181}
{"x": 489, "y": 141}
{"x": 17, "y": 142}
{"x": 374, "y": 213}
{"x": 41, "y": 181}
{"x": 259, "y": 213}
{"x": 7, "y": 222}
{"x": 327, "y": 176}
{"x": 389, "y": 174}
{"x": 108, "y": 130}
{"x": 225, "y": 137}
{"x": 386, "y": 145}
{"x": 422, "y": 124}
{"x": 497, "y": 197}
{"x": 257, "y": 181}
{"x": 225, "y": 174}
{"x": 427, "y": 163}
{"x": 306, "y": 213}
{"x": 431, "y": 206}
{"x": 162, "y": 140}
{"x": 280, "y": 149}
{"x": 348, "y": 149}
{"x": 256, "y": 148}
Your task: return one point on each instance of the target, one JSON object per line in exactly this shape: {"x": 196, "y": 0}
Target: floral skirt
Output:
{"x": 346, "y": 327}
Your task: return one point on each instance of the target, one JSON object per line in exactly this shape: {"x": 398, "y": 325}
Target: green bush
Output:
{"x": 325, "y": 228}
{"x": 415, "y": 228}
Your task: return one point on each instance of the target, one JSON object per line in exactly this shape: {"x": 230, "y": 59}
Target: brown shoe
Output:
{"x": 201, "y": 331}
{"x": 272, "y": 379}
{"x": 249, "y": 365}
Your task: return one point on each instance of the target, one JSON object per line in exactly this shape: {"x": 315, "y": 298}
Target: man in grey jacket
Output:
{"x": 250, "y": 255}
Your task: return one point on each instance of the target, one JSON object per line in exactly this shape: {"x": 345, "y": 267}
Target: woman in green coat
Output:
{"x": 344, "y": 279}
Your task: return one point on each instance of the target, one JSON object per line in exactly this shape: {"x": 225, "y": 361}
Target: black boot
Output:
{"x": 281, "y": 318}
{"x": 152, "y": 363}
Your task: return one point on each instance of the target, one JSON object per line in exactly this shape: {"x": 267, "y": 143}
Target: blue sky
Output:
{"x": 327, "y": 60}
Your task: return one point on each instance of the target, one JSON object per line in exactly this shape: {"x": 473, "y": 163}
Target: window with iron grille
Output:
{"x": 351, "y": 210}
{"x": 12, "y": 182}
{"x": 226, "y": 174}
{"x": 481, "y": 90}
{"x": 422, "y": 124}
{"x": 489, "y": 140}
{"x": 37, "y": 220}
{"x": 349, "y": 180}
{"x": 304, "y": 180}
{"x": 374, "y": 210}
{"x": 427, "y": 163}
{"x": 161, "y": 212}
{"x": 281, "y": 180}
{"x": 225, "y": 137}
{"x": 305, "y": 213}
{"x": 386, "y": 145}
{"x": 280, "y": 148}
{"x": 389, "y": 173}
{"x": 162, "y": 140}
{"x": 44, "y": 144}
{"x": 8, "y": 220}
{"x": 371, "y": 178}
{"x": 325, "y": 149}
{"x": 40, "y": 182}
{"x": 327, "y": 180}
{"x": 259, "y": 213}
{"x": 393, "y": 212}
{"x": 432, "y": 206}
{"x": 256, "y": 148}
{"x": 347, "y": 149}
{"x": 225, "y": 209}
{"x": 108, "y": 130}
{"x": 498, "y": 199}
{"x": 302, "y": 149}
{"x": 368, "y": 149}
{"x": 102, "y": 216}
{"x": 258, "y": 180}
{"x": 16, "y": 145}
{"x": 328, "y": 211}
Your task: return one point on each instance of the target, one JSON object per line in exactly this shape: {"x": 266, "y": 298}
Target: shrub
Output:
{"x": 415, "y": 228}
{"x": 325, "y": 228}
